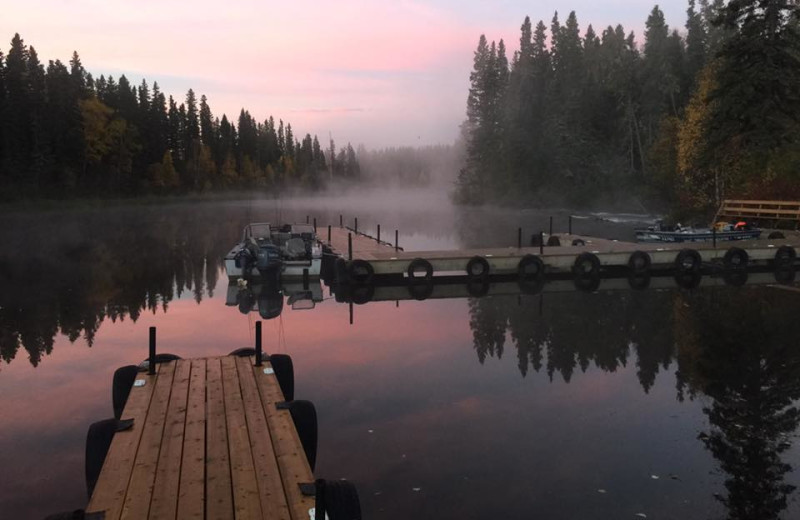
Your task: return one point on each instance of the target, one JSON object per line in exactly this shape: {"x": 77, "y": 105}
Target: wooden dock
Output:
{"x": 207, "y": 441}
{"x": 386, "y": 260}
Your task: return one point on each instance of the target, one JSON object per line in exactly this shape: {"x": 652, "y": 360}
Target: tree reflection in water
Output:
{"x": 737, "y": 347}
{"x": 69, "y": 272}
{"x": 740, "y": 348}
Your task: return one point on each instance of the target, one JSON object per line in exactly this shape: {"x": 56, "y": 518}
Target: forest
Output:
{"x": 680, "y": 122}
{"x": 64, "y": 134}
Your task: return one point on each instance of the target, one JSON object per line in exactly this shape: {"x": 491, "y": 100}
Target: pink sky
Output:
{"x": 381, "y": 73}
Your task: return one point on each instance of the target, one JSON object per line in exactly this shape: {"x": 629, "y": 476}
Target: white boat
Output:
{"x": 289, "y": 250}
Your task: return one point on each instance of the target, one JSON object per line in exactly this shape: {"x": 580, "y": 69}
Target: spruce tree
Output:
{"x": 17, "y": 108}
{"x": 3, "y": 123}
{"x": 758, "y": 89}
{"x": 696, "y": 42}
{"x": 192, "y": 121}
{"x": 206, "y": 122}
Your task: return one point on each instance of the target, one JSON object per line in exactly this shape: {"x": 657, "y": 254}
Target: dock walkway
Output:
{"x": 207, "y": 441}
{"x": 386, "y": 260}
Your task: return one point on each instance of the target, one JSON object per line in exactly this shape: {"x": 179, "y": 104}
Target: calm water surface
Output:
{"x": 665, "y": 403}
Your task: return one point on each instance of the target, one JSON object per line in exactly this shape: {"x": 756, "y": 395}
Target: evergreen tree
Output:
{"x": 192, "y": 121}
{"x": 206, "y": 123}
{"x": 696, "y": 43}
{"x": 3, "y": 123}
{"x": 17, "y": 122}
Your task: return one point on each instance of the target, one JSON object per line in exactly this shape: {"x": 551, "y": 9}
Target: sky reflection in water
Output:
{"x": 560, "y": 406}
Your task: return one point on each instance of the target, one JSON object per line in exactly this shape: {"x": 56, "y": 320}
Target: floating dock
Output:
{"x": 208, "y": 439}
{"x": 611, "y": 256}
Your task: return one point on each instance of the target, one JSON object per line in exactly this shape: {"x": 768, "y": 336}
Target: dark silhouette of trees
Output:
{"x": 583, "y": 117}
{"x": 64, "y": 134}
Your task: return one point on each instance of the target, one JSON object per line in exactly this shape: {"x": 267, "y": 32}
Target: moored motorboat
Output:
{"x": 289, "y": 250}
{"x": 721, "y": 231}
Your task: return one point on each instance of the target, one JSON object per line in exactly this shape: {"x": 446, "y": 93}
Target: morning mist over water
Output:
{"x": 604, "y": 404}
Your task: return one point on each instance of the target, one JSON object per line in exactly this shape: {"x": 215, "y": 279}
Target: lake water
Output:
{"x": 616, "y": 404}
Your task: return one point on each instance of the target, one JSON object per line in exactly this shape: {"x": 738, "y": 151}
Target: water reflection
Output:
{"x": 565, "y": 332}
{"x": 736, "y": 347}
{"x": 69, "y": 275}
{"x": 733, "y": 350}
{"x": 740, "y": 349}
{"x": 266, "y": 298}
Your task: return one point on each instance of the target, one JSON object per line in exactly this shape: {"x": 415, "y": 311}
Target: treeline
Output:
{"x": 64, "y": 133}
{"x": 688, "y": 118}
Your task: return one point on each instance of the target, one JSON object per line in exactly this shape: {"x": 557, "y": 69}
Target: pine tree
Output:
{"x": 3, "y": 121}
{"x": 192, "y": 121}
{"x": 206, "y": 123}
{"x": 759, "y": 75}
{"x": 17, "y": 108}
{"x": 39, "y": 159}
{"x": 696, "y": 43}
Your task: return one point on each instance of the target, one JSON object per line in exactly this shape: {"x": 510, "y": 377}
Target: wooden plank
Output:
{"x": 164, "y": 503}
{"x": 775, "y": 202}
{"x": 292, "y": 460}
{"x": 246, "y": 502}
{"x": 219, "y": 497}
{"x": 760, "y": 211}
{"x": 191, "y": 497}
{"x": 109, "y": 493}
{"x": 270, "y": 486}
{"x": 140, "y": 488}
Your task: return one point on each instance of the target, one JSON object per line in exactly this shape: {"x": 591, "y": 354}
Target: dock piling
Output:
{"x": 395, "y": 240}
{"x": 551, "y": 227}
{"x": 259, "y": 353}
{"x": 379, "y": 233}
{"x": 349, "y": 246}
{"x": 341, "y": 221}
{"x": 315, "y": 225}
{"x": 714, "y": 236}
{"x": 151, "y": 359}
{"x": 570, "y": 225}
{"x": 351, "y": 313}
{"x": 356, "y": 226}
{"x": 541, "y": 242}
{"x": 329, "y": 234}
{"x": 519, "y": 238}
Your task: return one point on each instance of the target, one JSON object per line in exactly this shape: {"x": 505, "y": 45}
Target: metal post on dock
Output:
{"x": 379, "y": 233}
{"x": 351, "y": 313}
{"x": 349, "y": 246}
{"x": 259, "y": 353}
{"x": 541, "y": 242}
{"x": 570, "y": 224}
{"x": 551, "y": 227}
{"x": 356, "y": 226}
{"x": 329, "y": 234}
{"x": 395, "y": 240}
{"x": 151, "y": 358}
{"x": 315, "y": 225}
{"x": 519, "y": 238}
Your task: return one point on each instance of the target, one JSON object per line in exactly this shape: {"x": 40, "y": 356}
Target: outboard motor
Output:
{"x": 270, "y": 301}
{"x": 268, "y": 260}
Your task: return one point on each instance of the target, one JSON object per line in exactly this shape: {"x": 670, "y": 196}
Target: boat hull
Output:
{"x": 288, "y": 269}
{"x": 695, "y": 236}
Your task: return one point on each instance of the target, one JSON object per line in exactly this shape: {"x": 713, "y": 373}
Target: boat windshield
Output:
{"x": 261, "y": 230}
